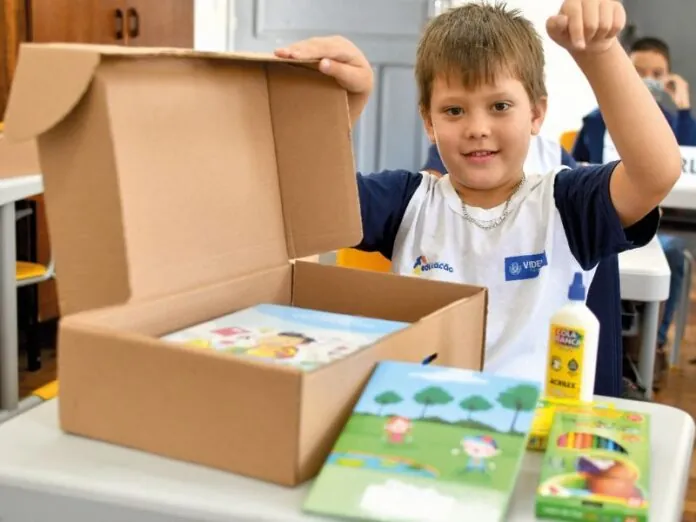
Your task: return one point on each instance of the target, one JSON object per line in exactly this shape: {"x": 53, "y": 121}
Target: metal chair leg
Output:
{"x": 683, "y": 310}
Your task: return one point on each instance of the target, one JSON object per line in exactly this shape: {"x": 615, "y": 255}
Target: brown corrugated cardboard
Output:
{"x": 179, "y": 185}
{"x": 18, "y": 159}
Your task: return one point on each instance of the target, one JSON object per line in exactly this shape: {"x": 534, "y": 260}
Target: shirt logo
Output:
{"x": 423, "y": 265}
{"x": 524, "y": 267}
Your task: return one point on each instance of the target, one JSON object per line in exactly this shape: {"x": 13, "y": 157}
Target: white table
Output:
{"x": 644, "y": 275}
{"x": 682, "y": 195}
{"x": 11, "y": 190}
{"x": 46, "y": 474}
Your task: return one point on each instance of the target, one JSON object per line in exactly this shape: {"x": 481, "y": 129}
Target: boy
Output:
{"x": 651, "y": 58}
{"x": 479, "y": 70}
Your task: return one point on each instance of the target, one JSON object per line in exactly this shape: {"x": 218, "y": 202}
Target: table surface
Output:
{"x": 16, "y": 189}
{"x": 683, "y": 194}
{"x": 644, "y": 273}
{"x": 36, "y": 455}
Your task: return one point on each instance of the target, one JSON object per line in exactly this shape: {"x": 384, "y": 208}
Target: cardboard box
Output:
{"x": 179, "y": 187}
{"x": 18, "y": 159}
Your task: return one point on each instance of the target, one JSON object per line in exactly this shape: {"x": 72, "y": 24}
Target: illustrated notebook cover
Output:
{"x": 596, "y": 467}
{"x": 426, "y": 444}
{"x": 300, "y": 337}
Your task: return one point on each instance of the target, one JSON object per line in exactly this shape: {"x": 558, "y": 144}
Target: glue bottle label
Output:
{"x": 564, "y": 372}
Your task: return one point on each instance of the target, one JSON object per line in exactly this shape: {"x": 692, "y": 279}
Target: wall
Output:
{"x": 214, "y": 25}
{"x": 570, "y": 96}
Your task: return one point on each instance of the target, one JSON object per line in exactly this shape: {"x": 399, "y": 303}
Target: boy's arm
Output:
{"x": 384, "y": 197}
{"x": 592, "y": 225}
{"x": 650, "y": 158}
{"x": 651, "y": 162}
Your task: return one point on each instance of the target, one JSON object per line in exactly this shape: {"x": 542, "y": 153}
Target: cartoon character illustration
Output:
{"x": 397, "y": 430}
{"x": 283, "y": 345}
{"x": 610, "y": 478}
{"x": 480, "y": 449}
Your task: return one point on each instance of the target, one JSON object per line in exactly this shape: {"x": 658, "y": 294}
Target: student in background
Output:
{"x": 651, "y": 58}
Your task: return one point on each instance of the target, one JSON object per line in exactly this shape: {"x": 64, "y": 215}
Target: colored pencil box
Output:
{"x": 596, "y": 467}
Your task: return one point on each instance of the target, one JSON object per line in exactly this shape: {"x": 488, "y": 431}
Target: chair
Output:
{"x": 352, "y": 258}
{"x": 26, "y": 274}
{"x": 568, "y": 140}
{"x": 683, "y": 310}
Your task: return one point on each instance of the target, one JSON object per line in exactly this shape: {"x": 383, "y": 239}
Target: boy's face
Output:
{"x": 483, "y": 133}
{"x": 650, "y": 64}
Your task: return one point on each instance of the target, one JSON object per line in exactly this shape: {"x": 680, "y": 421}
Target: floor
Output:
{"x": 679, "y": 390}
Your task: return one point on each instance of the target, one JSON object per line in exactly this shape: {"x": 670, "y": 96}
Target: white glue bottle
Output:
{"x": 573, "y": 344}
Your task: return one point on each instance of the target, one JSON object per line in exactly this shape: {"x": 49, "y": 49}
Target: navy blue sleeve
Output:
{"x": 384, "y": 197}
{"x": 567, "y": 159}
{"x": 590, "y": 221}
{"x": 580, "y": 150}
{"x": 434, "y": 162}
{"x": 685, "y": 128}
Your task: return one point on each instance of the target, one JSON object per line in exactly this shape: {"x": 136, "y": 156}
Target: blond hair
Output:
{"x": 475, "y": 43}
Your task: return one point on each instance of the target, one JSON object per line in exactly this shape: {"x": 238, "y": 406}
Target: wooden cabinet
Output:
{"x": 161, "y": 23}
{"x": 145, "y": 23}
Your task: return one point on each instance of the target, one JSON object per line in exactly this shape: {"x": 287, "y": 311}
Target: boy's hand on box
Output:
{"x": 587, "y": 26}
{"x": 339, "y": 58}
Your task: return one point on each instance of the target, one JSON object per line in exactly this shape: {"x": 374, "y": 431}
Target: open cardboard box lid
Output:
{"x": 18, "y": 159}
{"x": 170, "y": 169}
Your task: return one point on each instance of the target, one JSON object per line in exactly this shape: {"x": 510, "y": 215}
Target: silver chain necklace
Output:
{"x": 495, "y": 222}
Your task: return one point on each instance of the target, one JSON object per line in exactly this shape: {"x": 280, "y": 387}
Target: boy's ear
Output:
{"x": 427, "y": 123}
{"x": 539, "y": 114}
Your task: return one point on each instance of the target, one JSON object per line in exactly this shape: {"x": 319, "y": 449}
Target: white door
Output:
{"x": 390, "y": 132}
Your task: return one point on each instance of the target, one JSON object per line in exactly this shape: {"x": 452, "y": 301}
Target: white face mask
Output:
{"x": 655, "y": 87}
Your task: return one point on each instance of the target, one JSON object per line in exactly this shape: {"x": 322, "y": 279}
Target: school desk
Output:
{"x": 48, "y": 475}
{"x": 644, "y": 275}
{"x": 11, "y": 191}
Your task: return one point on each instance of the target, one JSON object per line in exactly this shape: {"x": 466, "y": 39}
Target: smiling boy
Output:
{"x": 480, "y": 73}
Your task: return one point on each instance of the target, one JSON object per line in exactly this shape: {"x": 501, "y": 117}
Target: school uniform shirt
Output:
{"x": 594, "y": 144}
{"x": 560, "y": 223}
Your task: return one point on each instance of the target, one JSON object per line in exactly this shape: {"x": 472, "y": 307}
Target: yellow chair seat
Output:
{"x": 25, "y": 270}
{"x": 48, "y": 391}
{"x": 351, "y": 258}
{"x": 568, "y": 140}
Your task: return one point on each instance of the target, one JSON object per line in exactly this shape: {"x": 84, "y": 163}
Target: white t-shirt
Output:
{"x": 560, "y": 223}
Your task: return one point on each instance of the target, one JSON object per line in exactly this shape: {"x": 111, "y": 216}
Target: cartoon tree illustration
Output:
{"x": 432, "y": 396}
{"x": 475, "y": 403}
{"x": 522, "y": 397}
{"x": 386, "y": 398}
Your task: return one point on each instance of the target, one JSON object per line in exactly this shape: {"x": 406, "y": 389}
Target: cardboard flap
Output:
{"x": 173, "y": 171}
{"x": 314, "y": 152}
{"x": 45, "y": 88}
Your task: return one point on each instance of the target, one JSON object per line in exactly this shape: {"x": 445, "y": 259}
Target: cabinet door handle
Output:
{"x": 118, "y": 22}
{"x": 133, "y": 22}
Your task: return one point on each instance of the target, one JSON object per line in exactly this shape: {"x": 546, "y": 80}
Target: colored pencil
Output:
{"x": 430, "y": 358}
{"x": 571, "y": 440}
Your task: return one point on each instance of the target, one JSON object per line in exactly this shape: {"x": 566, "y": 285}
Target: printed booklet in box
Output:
{"x": 299, "y": 337}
